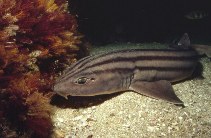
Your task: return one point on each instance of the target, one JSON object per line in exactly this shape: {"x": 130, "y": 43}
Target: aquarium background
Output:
{"x": 110, "y": 25}
{"x": 108, "y": 21}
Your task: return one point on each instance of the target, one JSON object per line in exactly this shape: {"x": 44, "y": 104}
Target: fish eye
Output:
{"x": 81, "y": 80}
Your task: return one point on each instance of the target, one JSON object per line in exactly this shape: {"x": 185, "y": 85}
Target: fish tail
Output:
{"x": 202, "y": 49}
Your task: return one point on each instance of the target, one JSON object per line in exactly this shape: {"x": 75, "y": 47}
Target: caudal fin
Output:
{"x": 202, "y": 49}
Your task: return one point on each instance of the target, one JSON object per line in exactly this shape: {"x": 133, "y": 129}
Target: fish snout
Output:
{"x": 59, "y": 89}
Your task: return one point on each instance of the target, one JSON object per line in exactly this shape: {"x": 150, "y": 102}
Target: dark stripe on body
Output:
{"x": 145, "y": 59}
{"x": 136, "y": 54}
{"x": 186, "y": 59}
{"x": 165, "y": 63}
{"x": 141, "y": 69}
{"x": 133, "y": 53}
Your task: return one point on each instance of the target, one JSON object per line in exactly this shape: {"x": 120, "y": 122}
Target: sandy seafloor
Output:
{"x": 131, "y": 115}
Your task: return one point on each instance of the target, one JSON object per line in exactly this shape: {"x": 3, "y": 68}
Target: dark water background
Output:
{"x": 108, "y": 21}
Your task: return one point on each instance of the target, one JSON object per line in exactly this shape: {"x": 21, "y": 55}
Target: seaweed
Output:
{"x": 38, "y": 39}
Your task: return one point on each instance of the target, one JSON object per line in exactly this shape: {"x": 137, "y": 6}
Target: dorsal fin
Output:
{"x": 184, "y": 40}
{"x": 183, "y": 43}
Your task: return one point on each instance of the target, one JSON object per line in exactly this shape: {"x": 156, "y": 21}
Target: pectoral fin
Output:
{"x": 159, "y": 89}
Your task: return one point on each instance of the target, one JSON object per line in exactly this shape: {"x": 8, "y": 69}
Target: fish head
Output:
{"x": 87, "y": 84}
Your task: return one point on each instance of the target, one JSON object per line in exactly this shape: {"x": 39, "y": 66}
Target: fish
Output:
{"x": 196, "y": 15}
{"x": 149, "y": 72}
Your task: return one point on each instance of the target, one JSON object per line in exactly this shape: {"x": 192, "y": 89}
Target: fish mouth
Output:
{"x": 57, "y": 90}
{"x": 63, "y": 94}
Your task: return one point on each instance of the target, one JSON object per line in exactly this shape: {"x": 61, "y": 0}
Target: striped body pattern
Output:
{"x": 128, "y": 70}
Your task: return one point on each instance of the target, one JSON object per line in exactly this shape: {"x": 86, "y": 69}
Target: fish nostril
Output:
{"x": 54, "y": 87}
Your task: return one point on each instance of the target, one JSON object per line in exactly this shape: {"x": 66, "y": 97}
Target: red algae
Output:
{"x": 38, "y": 38}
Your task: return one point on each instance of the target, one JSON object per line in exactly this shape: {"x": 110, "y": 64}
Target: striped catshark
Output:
{"x": 146, "y": 71}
